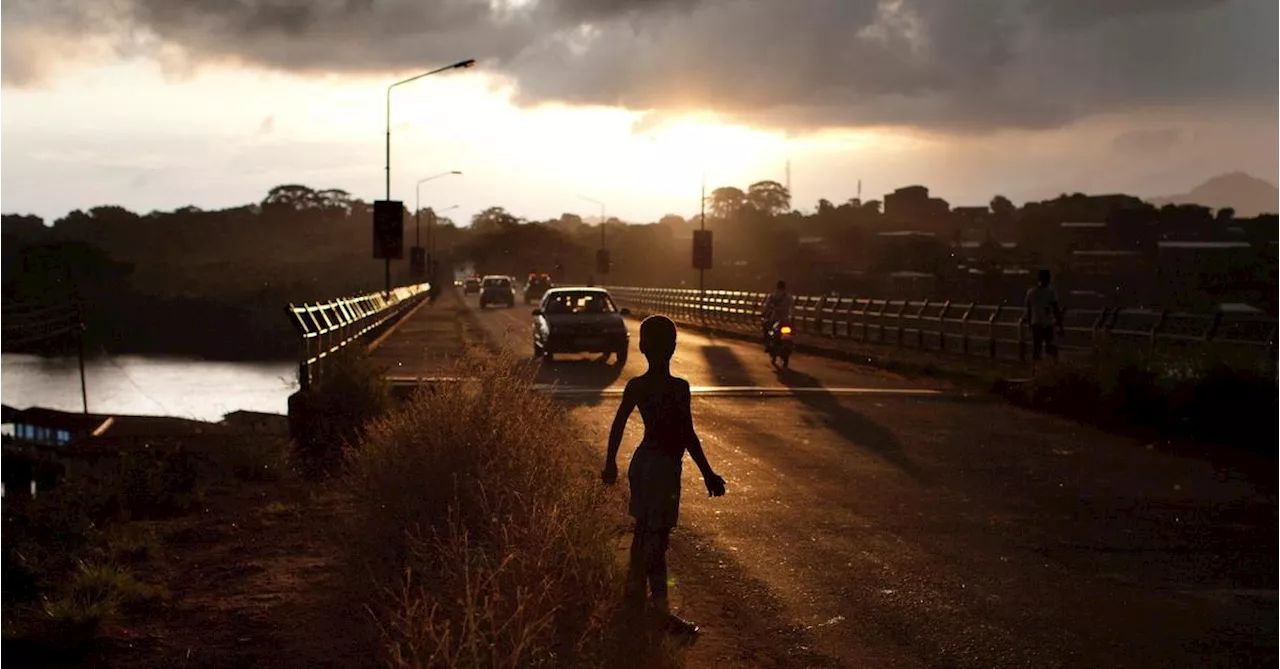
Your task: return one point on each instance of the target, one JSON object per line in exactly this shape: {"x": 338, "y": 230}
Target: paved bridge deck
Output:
{"x": 427, "y": 342}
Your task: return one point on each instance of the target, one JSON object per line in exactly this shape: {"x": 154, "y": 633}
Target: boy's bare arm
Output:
{"x": 610, "y": 473}
{"x": 715, "y": 484}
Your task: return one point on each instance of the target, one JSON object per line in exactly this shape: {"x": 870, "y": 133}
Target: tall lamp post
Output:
{"x": 433, "y": 230}
{"x": 702, "y": 225}
{"x": 417, "y": 212}
{"x": 602, "y": 223}
{"x": 462, "y": 64}
{"x": 602, "y": 218}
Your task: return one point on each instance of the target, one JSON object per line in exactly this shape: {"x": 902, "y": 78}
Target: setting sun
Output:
{"x": 674, "y": 157}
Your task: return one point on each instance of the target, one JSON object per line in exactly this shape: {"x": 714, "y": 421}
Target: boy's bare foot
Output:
{"x": 677, "y": 625}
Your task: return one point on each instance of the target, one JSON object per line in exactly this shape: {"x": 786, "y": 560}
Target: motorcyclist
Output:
{"x": 776, "y": 309}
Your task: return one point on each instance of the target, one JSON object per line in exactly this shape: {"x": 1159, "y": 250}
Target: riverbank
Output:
{"x": 266, "y": 567}
{"x": 142, "y": 385}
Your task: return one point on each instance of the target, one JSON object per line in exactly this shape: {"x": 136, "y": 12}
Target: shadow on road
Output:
{"x": 590, "y": 373}
{"x": 726, "y": 368}
{"x": 854, "y": 427}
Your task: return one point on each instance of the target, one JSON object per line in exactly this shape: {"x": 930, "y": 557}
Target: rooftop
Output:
{"x": 58, "y": 420}
{"x": 99, "y": 425}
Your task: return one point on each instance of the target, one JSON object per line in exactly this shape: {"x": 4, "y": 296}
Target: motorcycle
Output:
{"x": 781, "y": 344}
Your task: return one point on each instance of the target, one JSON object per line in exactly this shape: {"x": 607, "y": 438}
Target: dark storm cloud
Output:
{"x": 957, "y": 65}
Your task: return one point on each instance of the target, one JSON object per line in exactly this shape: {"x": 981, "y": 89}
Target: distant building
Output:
{"x": 1192, "y": 272}
{"x": 912, "y": 205}
{"x": 257, "y": 422}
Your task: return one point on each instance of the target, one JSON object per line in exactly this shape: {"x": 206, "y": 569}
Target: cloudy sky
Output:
{"x": 155, "y": 104}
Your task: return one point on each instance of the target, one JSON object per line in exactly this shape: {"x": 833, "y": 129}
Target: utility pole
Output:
{"x": 702, "y": 225}
{"x": 80, "y": 333}
{"x": 462, "y": 64}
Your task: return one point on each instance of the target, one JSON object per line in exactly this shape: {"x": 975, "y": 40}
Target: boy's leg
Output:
{"x": 659, "y": 542}
{"x": 633, "y": 595}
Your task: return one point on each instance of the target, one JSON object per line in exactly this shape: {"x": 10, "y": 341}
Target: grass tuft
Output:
{"x": 482, "y": 522}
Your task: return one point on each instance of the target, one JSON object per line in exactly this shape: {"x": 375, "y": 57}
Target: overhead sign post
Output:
{"x": 388, "y": 235}
{"x": 388, "y": 230}
{"x": 602, "y": 261}
{"x": 702, "y": 249}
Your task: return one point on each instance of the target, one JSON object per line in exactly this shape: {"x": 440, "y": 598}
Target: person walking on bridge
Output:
{"x": 654, "y": 473}
{"x": 776, "y": 309}
{"x": 1044, "y": 316}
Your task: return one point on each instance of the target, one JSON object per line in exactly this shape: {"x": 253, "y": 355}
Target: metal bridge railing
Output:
{"x": 996, "y": 331}
{"x": 326, "y": 327}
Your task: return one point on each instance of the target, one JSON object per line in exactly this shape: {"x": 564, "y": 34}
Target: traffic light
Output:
{"x": 702, "y": 249}
{"x": 388, "y": 230}
{"x": 602, "y": 261}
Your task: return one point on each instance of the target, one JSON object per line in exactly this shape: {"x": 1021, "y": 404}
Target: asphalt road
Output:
{"x": 865, "y": 528}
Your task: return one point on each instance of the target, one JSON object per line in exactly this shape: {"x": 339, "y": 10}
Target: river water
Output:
{"x": 147, "y": 386}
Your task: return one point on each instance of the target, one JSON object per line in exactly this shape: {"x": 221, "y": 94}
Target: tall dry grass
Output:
{"x": 484, "y": 529}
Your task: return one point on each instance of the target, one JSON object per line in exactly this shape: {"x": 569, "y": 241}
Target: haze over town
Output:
{"x": 154, "y": 106}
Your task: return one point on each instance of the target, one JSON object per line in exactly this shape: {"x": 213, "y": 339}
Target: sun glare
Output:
{"x": 674, "y": 156}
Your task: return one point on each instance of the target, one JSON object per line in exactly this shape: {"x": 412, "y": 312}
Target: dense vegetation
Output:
{"x": 213, "y": 283}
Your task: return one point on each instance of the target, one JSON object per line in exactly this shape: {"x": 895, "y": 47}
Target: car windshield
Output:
{"x": 496, "y": 283}
{"x": 579, "y": 303}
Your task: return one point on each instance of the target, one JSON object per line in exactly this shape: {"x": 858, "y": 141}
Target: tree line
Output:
{"x": 213, "y": 282}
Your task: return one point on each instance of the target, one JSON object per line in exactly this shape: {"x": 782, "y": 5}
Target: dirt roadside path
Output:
{"x": 255, "y": 577}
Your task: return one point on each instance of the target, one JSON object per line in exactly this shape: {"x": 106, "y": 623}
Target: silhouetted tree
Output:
{"x": 726, "y": 201}
{"x": 290, "y": 197}
{"x": 1002, "y": 209}
{"x": 491, "y": 219}
{"x": 770, "y": 197}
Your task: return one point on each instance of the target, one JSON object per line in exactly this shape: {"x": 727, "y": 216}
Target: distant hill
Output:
{"x": 1248, "y": 195}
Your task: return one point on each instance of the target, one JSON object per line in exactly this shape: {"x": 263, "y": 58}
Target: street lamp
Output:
{"x": 602, "y": 219}
{"x": 462, "y": 64}
{"x": 433, "y": 231}
{"x": 417, "y": 204}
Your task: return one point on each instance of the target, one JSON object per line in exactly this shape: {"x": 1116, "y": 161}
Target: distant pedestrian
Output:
{"x": 1044, "y": 316}
{"x": 654, "y": 472}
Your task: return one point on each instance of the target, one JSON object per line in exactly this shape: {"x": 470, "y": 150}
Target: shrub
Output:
{"x": 1066, "y": 389}
{"x": 1209, "y": 399}
{"x": 481, "y": 516}
{"x": 351, "y": 392}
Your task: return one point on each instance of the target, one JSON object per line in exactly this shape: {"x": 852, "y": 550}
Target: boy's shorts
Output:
{"x": 655, "y": 488}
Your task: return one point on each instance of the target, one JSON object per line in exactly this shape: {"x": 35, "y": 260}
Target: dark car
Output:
{"x": 580, "y": 320}
{"x": 536, "y": 288}
{"x": 497, "y": 290}
{"x": 470, "y": 286}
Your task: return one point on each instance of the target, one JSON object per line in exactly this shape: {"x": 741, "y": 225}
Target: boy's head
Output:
{"x": 1044, "y": 276}
{"x": 782, "y": 285}
{"x": 658, "y": 338}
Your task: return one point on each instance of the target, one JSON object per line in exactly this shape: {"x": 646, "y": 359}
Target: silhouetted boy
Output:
{"x": 1044, "y": 315}
{"x": 654, "y": 473}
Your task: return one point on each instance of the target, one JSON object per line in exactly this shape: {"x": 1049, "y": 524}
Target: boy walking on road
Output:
{"x": 654, "y": 473}
{"x": 1044, "y": 315}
